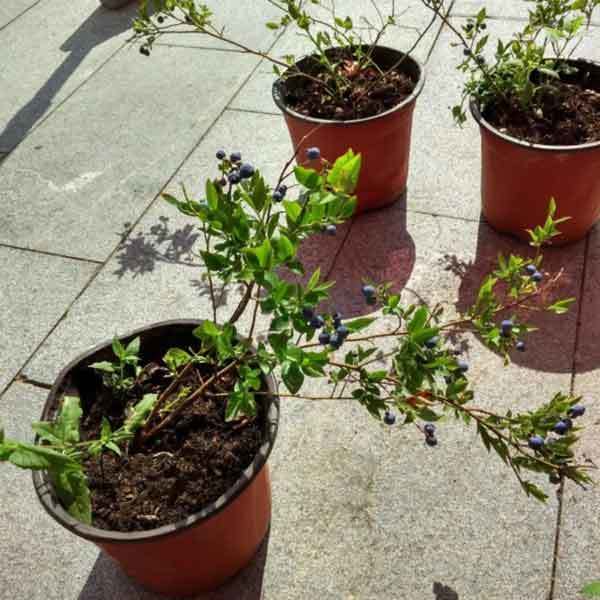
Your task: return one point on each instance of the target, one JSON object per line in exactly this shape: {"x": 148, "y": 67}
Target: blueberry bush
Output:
{"x": 251, "y": 234}
{"x": 525, "y": 68}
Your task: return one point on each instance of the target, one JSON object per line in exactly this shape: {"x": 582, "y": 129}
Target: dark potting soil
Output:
{"x": 183, "y": 469}
{"x": 370, "y": 91}
{"x": 569, "y": 116}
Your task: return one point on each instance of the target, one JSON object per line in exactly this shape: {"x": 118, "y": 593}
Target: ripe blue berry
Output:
{"x": 308, "y": 313}
{"x": 536, "y": 442}
{"x": 431, "y": 343}
{"x": 531, "y": 269}
{"x": 554, "y": 478}
{"x": 431, "y": 440}
{"x": 335, "y": 341}
{"x": 576, "y": 411}
{"x": 331, "y": 230}
{"x": 371, "y": 300}
{"x": 277, "y": 196}
{"x": 144, "y": 50}
{"x": 246, "y": 171}
{"x": 221, "y": 154}
{"x": 521, "y": 346}
{"x": 337, "y": 320}
{"x": 342, "y": 332}
{"x": 313, "y": 153}
{"x": 324, "y": 338}
{"x": 317, "y": 322}
{"x": 463, "y": 366}
{"x": 506, "y": 327}
{"x": 389, "y": 418}
{"x": 234, "y": 177}
{"x": 429, "y": 429}
{"x": 368, "y": 290}
{"x": 537, "y": 277}
{"x": 235, "y": 157}
{"x": 561, "y": 428}
{"x": 283, "y": 189}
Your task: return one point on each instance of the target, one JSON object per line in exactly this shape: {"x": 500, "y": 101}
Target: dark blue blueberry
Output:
{"x": 429, "y": 429}
{"x": 308, "y": 312}
{"x": 368, "y": 290}
{"x": 234, "y": 177}
{"x": 536, "y": 442}
{"x": 431, "y": 440}
{"x": 337, "y": 320}
{"x": 521, "y": 346}
{"x": 331, "y": 230}
{"x": 235, "y": 157}
{"x": 537, "y": 277}
{"x": 277, "y": 196}
{"x": 144, "y": 50}
{"x": 246, "y": 171}
{"x": 576, "y": 411}
{"x": 463, "y": 366}
{"x": 554, "y": 478}
{"x": 342, "y": 332}
{"x": 531, "y": 269}
{"x": 283, "y": 189}
{"x": 335, "y": 341}
{"x": 506, "y": 327}
{"x": 389, "y": 418}
{"x": 324, "y": 338}
{"x": 221, "y": 154}
{"x": 317, "y": 322}
{"x": 371, "y": 300}
{"x": 313, "y": 153}
{"x": 431, "y": 343}
{"x": 561, "y": 428}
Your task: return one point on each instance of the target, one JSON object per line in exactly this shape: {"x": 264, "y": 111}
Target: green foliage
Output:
{"x": 591, "y": 590}
{"x": 120, "y": 376}
{"x": 526, "y": 67}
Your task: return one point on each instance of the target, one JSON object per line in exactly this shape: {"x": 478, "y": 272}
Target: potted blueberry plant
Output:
{"x": 349, "y": 92}
{"x": 538, "y": 109}
{"x": 155, "y": 445}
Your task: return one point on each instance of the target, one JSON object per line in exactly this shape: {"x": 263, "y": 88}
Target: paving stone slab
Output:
{"x": 579, "y": 552}
{"x": 154, "y": 275}
{"x": 109, "y": 150}
{"x": 40, "y": 560}
{"x": 47, "y": 53}
{"x": 256, "y": 94}
{"x": 36, "y": 291}
{"x": 11, "y": 9}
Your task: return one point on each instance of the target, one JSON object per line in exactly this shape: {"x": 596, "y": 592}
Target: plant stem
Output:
{"x": 241, "y": 307}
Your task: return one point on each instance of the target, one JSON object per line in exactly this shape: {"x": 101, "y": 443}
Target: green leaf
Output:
{"x": 309, "y": 178}
{"x": 284, "y": 248}
{"x": 359, "y": 324}
{"x": 46, "y": 431}
{"x": 210, "y": 329}
{"x": 418, "y": 321}
{"x": 344, "y": 174}
{"x": 140, "y": 413}
{"x": 1, "y": 433}
{"x": 292, "y": 376}
{"x": 263, "y": 254}
{"x": 105, "y": 366}
{"x": 112, "y": 446}
{"x": 118, "y": 348}
{"x": 67, "y": 422}
{"x": 212, "y": 196}
{"x": 314, "y": 280}
{"x": 176, "y": 358}
{"x": 106, "y": 429}
{"x": 72, "y": 489}
{"x": 293, "y": 210}
{"x": 240, "y": 403}
{"x": 533, "y": 490}
{"x": 591, "y": 590}
{"x": 562, "y": 306}
{"x": 28, "y": 457}
{"x": 133, "y": 348}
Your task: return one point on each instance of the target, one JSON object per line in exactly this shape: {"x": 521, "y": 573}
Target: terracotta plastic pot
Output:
{"x": 518, "y": 178}
{"x": 383, "y": 140}
{"x": 203, "y": 551}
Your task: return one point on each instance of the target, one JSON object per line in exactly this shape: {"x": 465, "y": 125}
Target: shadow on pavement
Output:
{"x": 551, "y": 348}
{"x": 107, "y": 581}
{"x": 444, "y": 592}
{"x": 100, "y": 26}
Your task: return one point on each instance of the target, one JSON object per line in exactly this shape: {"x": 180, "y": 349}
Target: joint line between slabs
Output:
{"x": 14, "y": 19}
{"x": 50, "y": 253}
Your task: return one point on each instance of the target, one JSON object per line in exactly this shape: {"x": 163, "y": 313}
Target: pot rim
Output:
{"x": 43, "y": 487}
{"x": 476, "y": 112}
{"x": 278, "y": 99}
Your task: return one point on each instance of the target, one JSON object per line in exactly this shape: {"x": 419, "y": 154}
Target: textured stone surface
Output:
{"x": 124, "y": 143}
{"x": 47, "y": 53}
{"x": 579, "y": 551}
{"x": 12, "y": 9}
{"x": 40, "y": 560}
{"x": 36, "y": 291}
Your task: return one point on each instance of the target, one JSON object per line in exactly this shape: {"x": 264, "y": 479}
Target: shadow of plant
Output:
{"x": 107, "y": 580}
{"x": 444, "y": 592}
{"x": 551, "y": 348}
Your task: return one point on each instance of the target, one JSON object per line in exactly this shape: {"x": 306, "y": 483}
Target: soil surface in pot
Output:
{"x": 179, "y": 472}
{"x": 570, "y": 115}
{"x": 369, "y": 92}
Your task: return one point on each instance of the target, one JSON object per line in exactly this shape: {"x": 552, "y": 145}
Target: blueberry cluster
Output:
{"x": 562, "y": 427}
{"x": 327, "y": 338}
{"x": 430, "y": 437}
{"x": 279, "y": 193}
{"x": 534, "y": 274}
{"x": 235, "y": 169}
